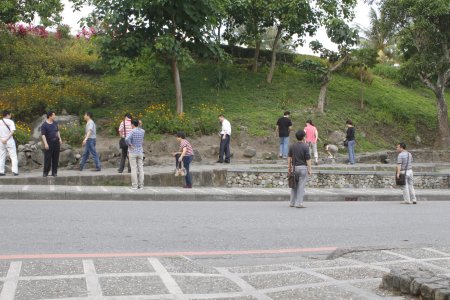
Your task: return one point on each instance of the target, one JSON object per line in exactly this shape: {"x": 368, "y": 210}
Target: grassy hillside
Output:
{"x": 38, "y": 74}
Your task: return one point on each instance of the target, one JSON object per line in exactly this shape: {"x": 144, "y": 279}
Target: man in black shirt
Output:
{"x": 284, "y": 127}
{"x": 51, "y": 140}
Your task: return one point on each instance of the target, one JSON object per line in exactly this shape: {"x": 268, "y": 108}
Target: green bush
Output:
{"x": 72, "y": 134}
{"x": 387, "y": 71}
{"x": 22, "y": 133}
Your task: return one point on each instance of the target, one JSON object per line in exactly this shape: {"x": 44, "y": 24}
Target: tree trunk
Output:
{"x": 362, "y": 87}
{"x": 274, "y": 55}
{"x": 323, "y": 94}
{"x": 444, "y": 132}
{"x": 256, "y": 58}
{"x": 177, "y": 82}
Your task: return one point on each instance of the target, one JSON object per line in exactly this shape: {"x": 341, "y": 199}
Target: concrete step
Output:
{"x": 121, "y": 193}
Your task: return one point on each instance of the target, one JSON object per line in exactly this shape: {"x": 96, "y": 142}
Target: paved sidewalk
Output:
{"x": 354, "y": 275}
{"x": 121, "y": 193}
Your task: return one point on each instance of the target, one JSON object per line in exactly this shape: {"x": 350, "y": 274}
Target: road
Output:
{"x": 36, "y": 227}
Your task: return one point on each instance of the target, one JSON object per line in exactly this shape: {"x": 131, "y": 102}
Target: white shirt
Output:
{"x": 226, "y": 127}
{"x": 4, "y": 131}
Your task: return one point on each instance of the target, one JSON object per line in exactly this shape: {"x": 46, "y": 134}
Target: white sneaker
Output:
{"x": 134, "y": 187}
{"x": 406, "y": 202}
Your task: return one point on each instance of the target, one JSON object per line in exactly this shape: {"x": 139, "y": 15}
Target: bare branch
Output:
{"x": 426, "y": 79}
{"x": 340, "y": 63}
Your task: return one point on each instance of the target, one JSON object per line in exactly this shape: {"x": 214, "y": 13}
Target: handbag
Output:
{"x": 401, "y": 179}
{"x": 122, "y": 143}
{"x": 292, "y": 178}
{"x": 180, "y": 171}
{"x": 346, "y": 143}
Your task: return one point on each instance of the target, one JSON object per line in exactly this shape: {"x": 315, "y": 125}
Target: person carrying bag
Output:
{"x": 124, "y": 129}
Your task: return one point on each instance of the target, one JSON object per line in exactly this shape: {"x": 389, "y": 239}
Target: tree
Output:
{"x": 12, "y": 11}
{"x": 424, "y": 31}
{"x": 363, "y": 58}
{"x": 169, "y": 27}
{"x": 294, "y": 19}
{"x": 247, "y": 22}
{"x": 339, "y": 33}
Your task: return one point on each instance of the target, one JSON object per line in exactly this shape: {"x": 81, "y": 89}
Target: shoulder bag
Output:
{"x": 401, "y": 179}
{"x": 122, "y": 143}
{"x": 292, "y": 177}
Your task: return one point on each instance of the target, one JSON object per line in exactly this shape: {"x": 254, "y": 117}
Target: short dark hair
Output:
{"x": 287, "y": 113}
{"x": 89, "y": 114}
{"x": 349, "y": 122}
{"x": 6, "y": 112}
{"x": 50, "y": 113}
{"x": 325, "y": 145}
{"x": 181, "y": 134}
{"x": 128, "y": 115}
{"x": 300, "y": 135}
{"x": 221, "y": 115}
{"x": 135, "y": 122}
{"x": 310, "y": 122}
{"x": 402, "y": 145}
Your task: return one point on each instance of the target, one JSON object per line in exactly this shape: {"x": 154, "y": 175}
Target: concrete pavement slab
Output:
{"x": 371, "y": 256}
{"x": 267, "y": 281}
{"x": 418, "y": 253}
{"x": 323, "y": 293}
{"x": 50, "y": 289}
{"x": 206, "y": 285}
{"x": 123, "y": 265}
{"x": 183, "y": 265}
{"x": 132, "y": 285}
{"x": 356, "y": 272}
{"x": 4, "y": 267}
{"x": 311, "y": 264}
{"x": 51, "y": 267}
{"x": 257, "y": 269}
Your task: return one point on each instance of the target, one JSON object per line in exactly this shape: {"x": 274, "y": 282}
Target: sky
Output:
{"x": 71, "y": 18}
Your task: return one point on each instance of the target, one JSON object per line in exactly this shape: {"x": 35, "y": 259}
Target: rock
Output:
{"x": 269, "y": 155}
{"x": 37, "y": 157}
{"x": 214, "y": 150}
{"x": 115, "y": 149}
{"x": 249, "y": 152}
{"x": 62, "y": 120}
{"x": 66, "y": 158}
{"x": 22, "y": 159}
{"x": 21, "y": 148}
{"x": 336, "y": 138}
{"x": 197, "y": 156}
{"x": 418, "y": 139}
{"x": 105, "y": 155}
{"x": 64, "y": 147}
{"x": 77, "y": 156}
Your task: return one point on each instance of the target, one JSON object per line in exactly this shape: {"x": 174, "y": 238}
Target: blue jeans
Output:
{"x": 186, "y": 163}
{"x": 351, "y": 151}
{"x": 89, "y": 148}
{"x": 284, "y": 146}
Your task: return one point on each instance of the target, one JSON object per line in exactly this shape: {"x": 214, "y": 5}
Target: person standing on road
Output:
{"x": 8, "y": 145}
{"x": 350, "y": 140}
{"x": 404, "y": 166}
{"x": 225, "y": 136}
{"x": 135, "y": 140}
{"x": 52, "y": 144}
{"x": 124, "y": 129}
{"x": 184, "y": 155}
{"x": 89, "y": 142}
{"x": 283, "y": 128}
{"x": 299, "y": 161}
{"x": 312, "y": 135}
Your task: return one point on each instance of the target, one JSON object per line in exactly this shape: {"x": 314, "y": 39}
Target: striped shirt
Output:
{"x": 125, "y": 127}
{"x": 187, "y": 145}
{"x": 134, "y": 140}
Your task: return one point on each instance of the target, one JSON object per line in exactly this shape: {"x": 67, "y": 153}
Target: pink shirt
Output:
{"x": 310, "y": 131}
{"x": 189, "y": 151}
{"x": 125, "y": 129}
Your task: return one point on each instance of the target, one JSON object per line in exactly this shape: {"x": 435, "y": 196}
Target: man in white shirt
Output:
{"x": 7, "y": 128}
{"x": 225, "y": 135}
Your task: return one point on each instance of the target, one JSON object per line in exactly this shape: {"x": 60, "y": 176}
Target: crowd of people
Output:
{"x": 299, "y": 154}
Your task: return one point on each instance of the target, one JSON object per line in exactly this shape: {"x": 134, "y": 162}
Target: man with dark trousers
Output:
{"x": 225, "y": 135}
{"x": 51, "y": 140}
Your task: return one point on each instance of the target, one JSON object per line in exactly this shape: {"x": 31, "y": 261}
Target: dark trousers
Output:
{"x": 51, "y": 157}
{"x": 123, "y": 158}
{"x": 224, "y": 148}
{"x": 186, "y": 163}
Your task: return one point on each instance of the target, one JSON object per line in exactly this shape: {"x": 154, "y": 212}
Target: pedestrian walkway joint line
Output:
{"x": 416, "y": 260}
{"x": 244, "y": 285}
{"x": 92, "y": 283}
{"x": 437, "y": 251}
{"x": 170, "y": 283}
{"x": 11, "y": 281}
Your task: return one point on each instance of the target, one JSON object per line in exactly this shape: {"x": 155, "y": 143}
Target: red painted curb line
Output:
{"x": 183, "y": 253}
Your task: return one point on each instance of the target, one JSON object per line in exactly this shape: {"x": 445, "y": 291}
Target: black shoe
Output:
{"x": 16, "y": 174}
{"x": 129, "y": 171}
{"x": 2, "y": 174}
{"x": 227, "y": 161}
{"x": 219, "y": 162}
{"x": 96, "y": 170}
{"x": 45, "y": 175}
{"x": 120, "y": 172}
{"x": 54, "y": 175}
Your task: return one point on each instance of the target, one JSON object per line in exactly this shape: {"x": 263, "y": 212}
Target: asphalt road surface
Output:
{"x": 36, "y": 227}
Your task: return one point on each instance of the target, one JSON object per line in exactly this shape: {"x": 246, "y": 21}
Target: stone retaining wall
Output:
{"x": 335, "y": 179}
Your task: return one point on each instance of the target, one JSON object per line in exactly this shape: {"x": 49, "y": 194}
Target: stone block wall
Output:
{"x": 335, "y": 179}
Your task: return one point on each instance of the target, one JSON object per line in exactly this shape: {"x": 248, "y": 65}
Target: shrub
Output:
{"x": 72, "y": 134}
{"x": 387, "y": 71}
{"x": 22, "y": 133}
